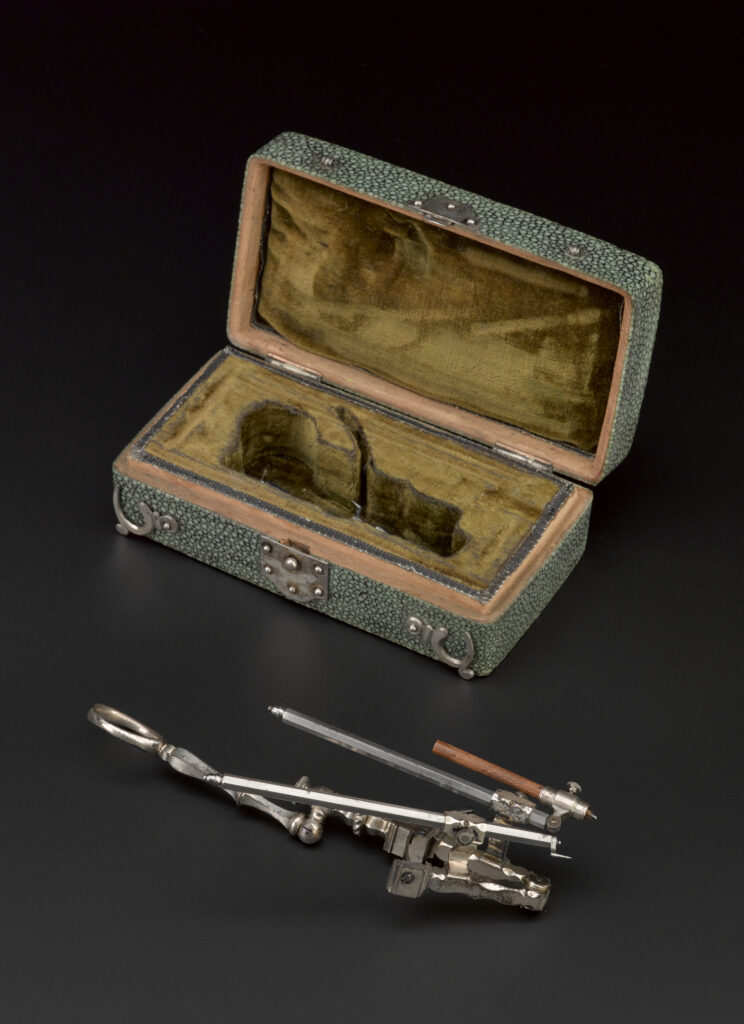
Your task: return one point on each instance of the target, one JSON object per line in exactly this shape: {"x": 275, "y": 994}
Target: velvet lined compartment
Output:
{"x": 442, "y": 315}
{"x": 419, "y": 496}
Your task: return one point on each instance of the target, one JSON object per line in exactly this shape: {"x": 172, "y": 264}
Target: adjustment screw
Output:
{"x": 310, "y": 832}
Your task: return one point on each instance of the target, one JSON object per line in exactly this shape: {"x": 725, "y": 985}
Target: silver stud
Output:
{"x": 470, "y": 221}
{"x": 292, "y": 588}
{"x": 291, "y": 563}
{"x": 450, "y": 206}
{"x": 418, "y": 202}
{"x": 318, "y": 591}
{"x": 318, "y": 570}
{"x": 266, "y": 548}
{"x": 268, "y": 570}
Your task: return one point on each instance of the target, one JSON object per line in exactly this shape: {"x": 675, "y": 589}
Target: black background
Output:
{"x": 133, "y": 894}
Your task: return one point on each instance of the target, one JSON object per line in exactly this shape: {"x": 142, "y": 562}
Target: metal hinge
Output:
{"x": 441, "y": 210}
{"x": 295, "y": 573}
{"x": 528, "y": 460}
{"x": 294, "y": 368}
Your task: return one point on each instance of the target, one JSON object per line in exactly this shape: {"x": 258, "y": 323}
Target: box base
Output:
{"x": 466, "y": 644}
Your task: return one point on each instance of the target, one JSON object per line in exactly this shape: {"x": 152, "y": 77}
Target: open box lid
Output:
{"x": 482, "y": 319}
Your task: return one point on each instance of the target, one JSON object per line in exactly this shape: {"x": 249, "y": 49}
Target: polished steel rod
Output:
{"x": 410, "y": 765}
{"x": 394, "y": 812}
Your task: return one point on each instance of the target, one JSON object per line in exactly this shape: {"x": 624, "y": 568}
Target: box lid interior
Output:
{"x": 439, "y": 321}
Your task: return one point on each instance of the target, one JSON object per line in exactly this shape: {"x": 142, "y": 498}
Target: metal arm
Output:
{"x": 394, "y": 812}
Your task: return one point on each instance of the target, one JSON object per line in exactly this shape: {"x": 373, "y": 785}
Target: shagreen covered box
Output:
{"x": 419, "y": 386}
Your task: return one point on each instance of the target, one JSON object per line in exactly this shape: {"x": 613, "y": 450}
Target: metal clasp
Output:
{"x": 296, "y": 574}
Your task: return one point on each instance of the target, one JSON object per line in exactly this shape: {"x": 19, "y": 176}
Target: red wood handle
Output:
{"x": 493, "y": 771}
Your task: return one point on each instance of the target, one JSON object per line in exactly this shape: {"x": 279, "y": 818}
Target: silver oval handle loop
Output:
{"x": 125, "y": 728}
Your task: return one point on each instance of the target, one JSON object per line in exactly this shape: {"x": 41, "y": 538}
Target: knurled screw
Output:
{"x": 573, "y": 787}
{"x": 407, "y": 877}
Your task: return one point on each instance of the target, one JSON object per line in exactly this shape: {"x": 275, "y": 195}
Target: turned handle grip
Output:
{"x": 493, "y": 771}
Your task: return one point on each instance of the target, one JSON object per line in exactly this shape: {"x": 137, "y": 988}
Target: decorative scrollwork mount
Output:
{"x": 435, "y": 637}
{"x": 150, "y": 520}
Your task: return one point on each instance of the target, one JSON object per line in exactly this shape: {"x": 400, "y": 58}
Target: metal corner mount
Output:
{"x": 151, "y": 520}
{"x": 435, "y": 637}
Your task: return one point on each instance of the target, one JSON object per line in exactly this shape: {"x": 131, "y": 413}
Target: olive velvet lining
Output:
{"x": 444, "y": 316}
{"x": 425, "y": 498}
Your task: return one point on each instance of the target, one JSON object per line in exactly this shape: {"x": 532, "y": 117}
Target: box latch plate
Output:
{"x": 295, "y": 573}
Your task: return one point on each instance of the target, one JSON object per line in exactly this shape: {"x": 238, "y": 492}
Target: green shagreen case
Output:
{"x": 240, "y": 470}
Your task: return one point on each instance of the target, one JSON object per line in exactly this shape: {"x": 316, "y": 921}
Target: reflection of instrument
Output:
{"x": 453, "y": 851}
